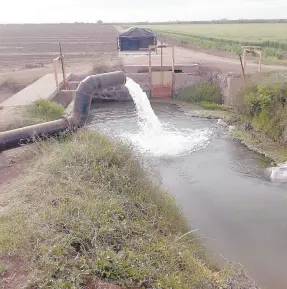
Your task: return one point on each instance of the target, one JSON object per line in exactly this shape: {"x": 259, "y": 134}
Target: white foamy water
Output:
{"x": 161, "y": 139}
{"x": 279, "y": 173}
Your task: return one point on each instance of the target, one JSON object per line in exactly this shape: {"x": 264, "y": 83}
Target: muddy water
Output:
{"x": 220, "y": 186}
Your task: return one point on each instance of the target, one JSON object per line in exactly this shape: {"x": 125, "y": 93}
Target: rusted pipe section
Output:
{"x": 84, "y": 94}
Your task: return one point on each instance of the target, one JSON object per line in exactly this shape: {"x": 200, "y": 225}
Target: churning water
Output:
{"x": 158, "y": 138}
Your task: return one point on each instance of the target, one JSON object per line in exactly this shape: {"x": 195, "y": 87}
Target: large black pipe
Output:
{"x": 82, "y": 104}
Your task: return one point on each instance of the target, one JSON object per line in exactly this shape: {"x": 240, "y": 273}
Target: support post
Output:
{"x": 149, "y": 72}
{"x": 63, "y": 67}
{"x": 55, "y": 72}
{"x": 260, "y": 61}
{"x": 161, "y": 63}
{"x": 173, "y": 74}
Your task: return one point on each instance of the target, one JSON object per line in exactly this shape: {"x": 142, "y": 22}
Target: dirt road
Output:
{"x": 188, "y": 56}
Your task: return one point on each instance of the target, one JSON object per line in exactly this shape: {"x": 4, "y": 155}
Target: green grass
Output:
{"x": 45, "y": 109}
{"x": 86, "y": 210}
{"x": 214, "y": 106}
{"x": 203, "y": 91}
{"x": 231, "y": 37}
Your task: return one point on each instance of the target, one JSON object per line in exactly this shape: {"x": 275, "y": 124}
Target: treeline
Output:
{"x": 220, "y": 21}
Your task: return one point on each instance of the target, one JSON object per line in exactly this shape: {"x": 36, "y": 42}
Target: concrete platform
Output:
{"x": 44, "y": 88}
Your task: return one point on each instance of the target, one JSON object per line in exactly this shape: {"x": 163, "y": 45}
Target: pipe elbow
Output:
{"x": 90, "y": 85}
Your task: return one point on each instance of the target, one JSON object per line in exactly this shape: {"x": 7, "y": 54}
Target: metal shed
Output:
{"x": 136, "y": 38}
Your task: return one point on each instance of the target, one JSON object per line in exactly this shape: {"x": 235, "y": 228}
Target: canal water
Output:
{"x": 219, "y": 184}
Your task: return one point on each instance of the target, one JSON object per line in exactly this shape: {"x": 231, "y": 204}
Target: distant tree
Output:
{"x": 99, "y": 22}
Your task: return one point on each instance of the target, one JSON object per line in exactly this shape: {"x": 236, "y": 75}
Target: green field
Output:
{"x": 230, "y": 37}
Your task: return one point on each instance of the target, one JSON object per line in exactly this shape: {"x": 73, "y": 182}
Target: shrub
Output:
{"x": 267, "y": 107}
{"x": 203, "y": 91}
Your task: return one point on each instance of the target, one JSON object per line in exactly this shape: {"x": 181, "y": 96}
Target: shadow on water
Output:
{"x": 221, "y": 188}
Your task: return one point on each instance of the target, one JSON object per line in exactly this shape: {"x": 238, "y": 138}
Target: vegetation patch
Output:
{"x": 201, "y": 92}
{"x": 86, "y": 210}
{"x": 37, "y": 112}
{"x": 261, "y": 119}
{"x": 266, "y": 111}
{"x": 45, "y": 109}
{"x": 230, "y": 38}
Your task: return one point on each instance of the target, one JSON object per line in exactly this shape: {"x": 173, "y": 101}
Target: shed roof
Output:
{"x": 136, "y": 32}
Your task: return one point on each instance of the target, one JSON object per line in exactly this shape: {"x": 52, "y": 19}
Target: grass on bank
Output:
{"x": 86, "y": 210}
{"x": 259, "y": 143}
{"x": 213, "y": 106}
{"x": 39, "y": 111}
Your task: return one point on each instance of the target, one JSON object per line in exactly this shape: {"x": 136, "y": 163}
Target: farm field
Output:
{"x": 27, "y": 50}
{"x": 27, "y": 44}
{"x": 272, "y": 37}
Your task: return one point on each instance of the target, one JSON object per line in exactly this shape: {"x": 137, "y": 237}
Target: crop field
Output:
{"x": 272, "y": 37}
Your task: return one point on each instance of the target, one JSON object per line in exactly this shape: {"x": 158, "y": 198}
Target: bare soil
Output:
{"x": 26, "y": 44}
{"x": 27, "y": 50}
{"x": 14, "y": 275}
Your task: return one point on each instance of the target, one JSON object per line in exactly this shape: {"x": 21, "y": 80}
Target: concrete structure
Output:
{"x": 43, "y": 88}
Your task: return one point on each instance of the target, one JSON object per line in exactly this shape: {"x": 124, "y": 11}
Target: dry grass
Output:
{"x": 103, "y": 65}
{"x": 87, "y": 210}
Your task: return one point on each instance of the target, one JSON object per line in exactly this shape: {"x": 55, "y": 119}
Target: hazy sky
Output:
{"x": 23, "y": 11}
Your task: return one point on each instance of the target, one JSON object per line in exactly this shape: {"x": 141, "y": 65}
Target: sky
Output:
{"x": 54, "y": 11}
